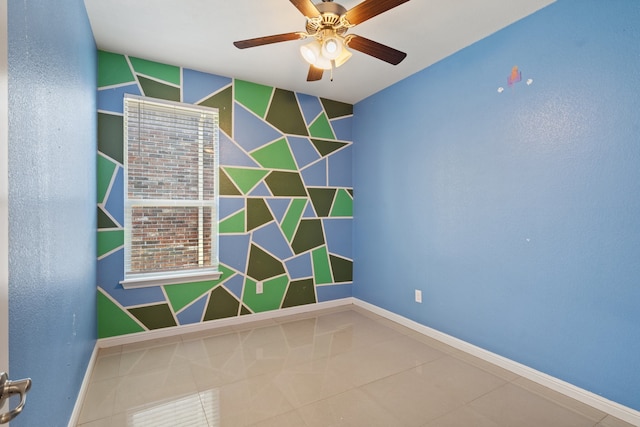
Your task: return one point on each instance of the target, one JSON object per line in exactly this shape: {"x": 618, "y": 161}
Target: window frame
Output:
{"x": 166, "y": 277}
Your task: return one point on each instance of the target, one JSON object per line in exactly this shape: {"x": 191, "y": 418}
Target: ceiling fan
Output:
{"x": 328, "y": 23}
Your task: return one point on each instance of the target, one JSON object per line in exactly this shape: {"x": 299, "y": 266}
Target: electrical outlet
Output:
{"x": 418, "y": 295}
{"x": 259, "y": 288}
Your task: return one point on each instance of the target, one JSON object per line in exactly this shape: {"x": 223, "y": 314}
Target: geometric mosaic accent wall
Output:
{"x": 285, "y": 208}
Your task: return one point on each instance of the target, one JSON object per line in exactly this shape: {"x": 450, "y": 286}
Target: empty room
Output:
{"x": 320, "y": 213}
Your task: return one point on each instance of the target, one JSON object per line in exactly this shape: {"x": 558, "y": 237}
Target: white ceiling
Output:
{"x": 198, "y": 34}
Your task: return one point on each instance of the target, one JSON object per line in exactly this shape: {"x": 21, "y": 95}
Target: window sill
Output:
{"x": 147, "y": 280}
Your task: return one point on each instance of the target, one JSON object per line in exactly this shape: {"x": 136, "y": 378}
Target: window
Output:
{"x": 171, "y": 180}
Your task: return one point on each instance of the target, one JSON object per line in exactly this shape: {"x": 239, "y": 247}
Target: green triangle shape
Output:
{"x": 245, "y": 179}
{"x": 276, "y": 156}
{"x": 244, "y": 310}
{"x": 221, "y": 304}
{"x": 322, "y": 199}
{"x": 167, "y": 73}
{"x": 183, "y": 294}
{"x": 109, "y": 240}
{"x": 284, "y": 113}
{"x": 222, "y": 101}
{"x": 336, "y": 108}
{"x": 111, "y": 136}
{"x": 258, "y": 213}
{"x": 233, "y": 224}
{"x": 300, "y": 292}
{"x": 271, "y": 297}
{"x": 226, "y": 186}
{"x": 309, "y": 235}
{"x": 283, "y": 183}
{"x": 262, "y": 265}
{"x": 112, "y": 320}
{"x": 113, "y": 69}
{"x": 105, "y": 168}
{"x": 343, "y": 205}
{"x": 321, "y": 268}
{"x": 321, "y": 128}
{"x": 254, "y": 96}
{"x": 159, "y": 90}
{"x": 104, "y": 221}
{"x": 342, "y": 269}
{"x": 327, "y": 147}
{"x": 155, "y": 316}
{"x": 292, "y": 217}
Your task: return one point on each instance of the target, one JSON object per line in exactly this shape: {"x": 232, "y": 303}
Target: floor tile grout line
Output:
{"x": 558, "y": 402}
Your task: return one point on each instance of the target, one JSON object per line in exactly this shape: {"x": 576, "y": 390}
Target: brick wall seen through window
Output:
{"x": 171, "y": 195}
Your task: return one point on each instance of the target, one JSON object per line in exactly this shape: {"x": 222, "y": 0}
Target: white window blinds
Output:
{"x": 171, "y": 169}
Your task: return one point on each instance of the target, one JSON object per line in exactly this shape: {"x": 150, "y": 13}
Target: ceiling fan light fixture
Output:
{"x": 312, "y": 53}
{"x": 323, "y": 63}
{"x": 332, "y": 47}
{"x": 343, "y": 57}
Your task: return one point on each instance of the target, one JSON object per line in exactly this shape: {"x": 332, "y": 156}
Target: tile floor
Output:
{"x": 339, "y": 367}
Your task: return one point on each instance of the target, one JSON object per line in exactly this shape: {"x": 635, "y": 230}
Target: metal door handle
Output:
{"x": 9, "y": 388}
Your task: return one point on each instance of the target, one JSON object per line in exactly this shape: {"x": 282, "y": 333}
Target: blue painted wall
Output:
{"x": 52, "y": 220}
{"x": 516, "y": 213}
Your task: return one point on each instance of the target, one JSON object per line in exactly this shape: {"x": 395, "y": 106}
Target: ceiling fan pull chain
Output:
{"x": 333, "y": 65}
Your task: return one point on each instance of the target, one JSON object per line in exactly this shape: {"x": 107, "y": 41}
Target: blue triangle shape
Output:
{"x": 235, "y": 285}
{"x": 197, "y": 85}
{"x": 115, "y": 200}
{"x": 303, "y": 151}
{"x": 271, "y": 239}
{"x": 111, "y": 99}
{"x": 232, "y": 155}
{"x": 316, "y": 174}
{"x": 278, "y": 207}
{"x": 261, "y": 190}
{"x": 300, "y": 266}
{"x": 234, "y": 250}
{"x": 310, "y": 106}
{"x": 309, "y": 212}
{"x": 193, "y": 313}
{"x": 229, "y": 205}
{"x": 343, "y": 127}
{"x": 251, "y": 131}
{"x": 340, "y": 167}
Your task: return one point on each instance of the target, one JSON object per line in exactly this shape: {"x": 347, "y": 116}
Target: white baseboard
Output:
{"x": 75, "y": 415}
{"x": 610, "y": 407}
{"x": 219, "y": 323}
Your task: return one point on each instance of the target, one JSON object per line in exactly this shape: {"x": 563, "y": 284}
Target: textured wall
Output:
{"x": 52, "y": 269}
{"x": 515, "y": 212}
{"x": 285, "y": 206}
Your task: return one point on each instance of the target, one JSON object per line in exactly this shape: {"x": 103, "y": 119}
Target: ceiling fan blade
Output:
{"x": 370, "y": 8}
{"x": 375, "y": 49}
{"x": 307, "y": 8}
{"x": 315, "y": 74}
{"x": 277, "y": 38}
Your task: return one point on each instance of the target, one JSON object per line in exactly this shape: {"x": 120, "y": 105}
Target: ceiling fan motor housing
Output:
{"x": 331, "y": 17}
